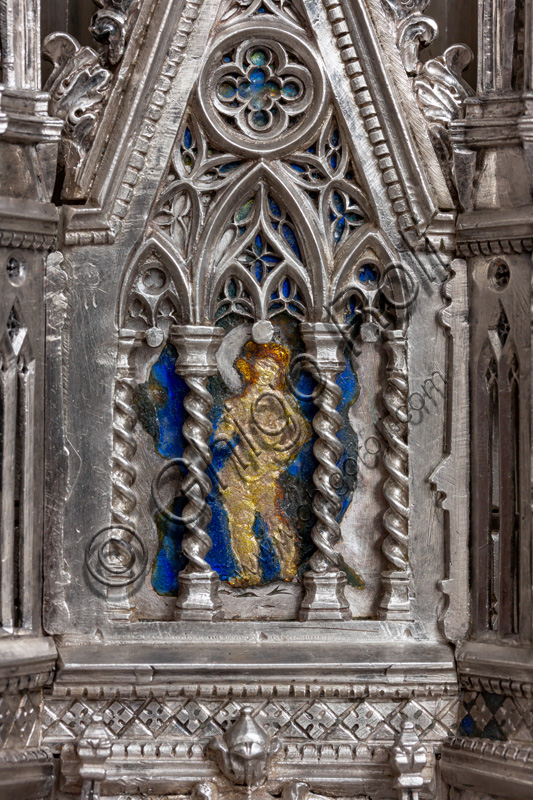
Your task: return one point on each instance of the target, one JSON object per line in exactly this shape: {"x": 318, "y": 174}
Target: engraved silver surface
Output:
{"x": 187, "y": 130}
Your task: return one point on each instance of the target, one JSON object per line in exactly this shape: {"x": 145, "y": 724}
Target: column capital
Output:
{"x": 396, "y": 336}
{"x": 197, "y": 346}
{"x": 128, "y": 337}
{"x": 325, "y": 343}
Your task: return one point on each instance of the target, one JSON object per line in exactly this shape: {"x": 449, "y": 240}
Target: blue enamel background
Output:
{"x": 159, "y": 404}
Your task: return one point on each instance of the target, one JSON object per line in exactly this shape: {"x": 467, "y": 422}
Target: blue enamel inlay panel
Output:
{"x": 159, "y": 404}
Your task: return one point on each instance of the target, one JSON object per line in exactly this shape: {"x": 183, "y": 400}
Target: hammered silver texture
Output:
{"x": 134, "y": 188}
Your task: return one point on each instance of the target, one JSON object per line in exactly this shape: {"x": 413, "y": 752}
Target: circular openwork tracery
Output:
{"x": 261, "y": 93}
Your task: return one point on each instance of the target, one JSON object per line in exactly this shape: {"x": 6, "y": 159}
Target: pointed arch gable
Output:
{"x": 407, "y": 163}
{"x": 368, "y": 238}
{"x": 15, "y": 336}
{"x": 400, "y": 287}
{"x": 171, "y": 40}
{"x": 206, "y": 277}
{"x": 161, "y": 249}
{"x": 238, "y": 273}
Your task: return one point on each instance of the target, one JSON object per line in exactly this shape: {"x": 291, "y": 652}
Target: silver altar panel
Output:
{"x": 251, "y": 198}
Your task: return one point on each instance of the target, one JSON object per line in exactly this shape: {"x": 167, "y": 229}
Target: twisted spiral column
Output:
{"x": 324, "y": 583}
{"x": 198, "y": 583}
{"x": 327, "y": 505}
{"x": 395, "y": 603}
{"x": 124, "y": 443}
{"x": 124, "y": 473}
{"x": 197, "y": 430}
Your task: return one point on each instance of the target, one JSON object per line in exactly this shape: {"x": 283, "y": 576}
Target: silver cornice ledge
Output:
{"x": 500, "y": 767}
{"x": 133, "y": 692}
{"x": 27, "y": 664}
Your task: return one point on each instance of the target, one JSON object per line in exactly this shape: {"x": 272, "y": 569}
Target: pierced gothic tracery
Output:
{"x": 263, "y": 215}
{"x": 263, "y": 96}
{"x": 326, "y": 173}
{"x": 261, "y": 251}
{"x": 262, "y": 90}
{"x": 320, "y": 181}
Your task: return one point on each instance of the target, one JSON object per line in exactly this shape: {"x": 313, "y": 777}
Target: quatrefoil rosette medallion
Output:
{"x": 261, "y": 91}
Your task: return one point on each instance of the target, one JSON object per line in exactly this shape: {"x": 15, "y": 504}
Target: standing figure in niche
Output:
{"x": 267, "y": 428}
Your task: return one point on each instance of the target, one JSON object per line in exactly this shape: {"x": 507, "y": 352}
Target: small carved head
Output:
{"x": 243, "y": 753}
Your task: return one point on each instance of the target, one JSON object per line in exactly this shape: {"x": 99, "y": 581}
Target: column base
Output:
{"x": 118, "y": 604}
{"x": 324, "y": 597}
{"x": 395, "y": 604}
{"x": 198, "y": 597}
